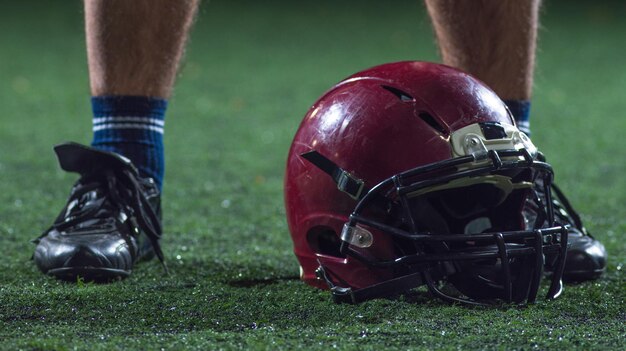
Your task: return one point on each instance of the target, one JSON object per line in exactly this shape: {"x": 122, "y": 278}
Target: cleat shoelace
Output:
{"x": 565, "y": 212}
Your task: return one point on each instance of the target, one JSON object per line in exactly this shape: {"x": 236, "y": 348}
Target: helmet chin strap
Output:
{"x": 385, "y": 289}
{"x": 345, "y": 181}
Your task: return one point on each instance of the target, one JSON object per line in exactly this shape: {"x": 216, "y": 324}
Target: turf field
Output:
{"x": 251, "y": 73}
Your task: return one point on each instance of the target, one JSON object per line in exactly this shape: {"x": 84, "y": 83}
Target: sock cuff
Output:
{"x": 128, "y": 105}
{"x": 121, "y": 114}
{"x": 520, "y": 109}
{"x": 132, "y": 126}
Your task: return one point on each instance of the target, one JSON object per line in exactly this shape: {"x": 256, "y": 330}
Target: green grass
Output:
{"x": 251, "y": 73}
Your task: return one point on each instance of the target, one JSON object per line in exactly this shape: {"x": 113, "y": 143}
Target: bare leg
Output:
{"x": 134, "y": 47}
{"x": 493, "y": 40}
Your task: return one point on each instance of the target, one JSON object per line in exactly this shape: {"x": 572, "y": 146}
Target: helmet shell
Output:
{"x": 374, "y": 124}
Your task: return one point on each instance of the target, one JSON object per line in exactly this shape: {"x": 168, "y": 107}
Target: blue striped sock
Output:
{"x": 521, "y": 112}
{"x": 132, "y": 126}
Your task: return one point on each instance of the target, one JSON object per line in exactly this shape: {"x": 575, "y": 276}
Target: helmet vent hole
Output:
{"x": 403, "y": 96}
{"x": 325, "y": 241}
{"x": 431, "y": 121}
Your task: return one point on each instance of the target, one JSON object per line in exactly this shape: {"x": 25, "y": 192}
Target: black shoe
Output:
{"x": 96, "y": 237}
{"x": 586, "y": 257}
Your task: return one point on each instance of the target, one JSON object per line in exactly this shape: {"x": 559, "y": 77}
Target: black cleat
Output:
{"x": 96, "y": 237}
{"x": 586, "y": 257}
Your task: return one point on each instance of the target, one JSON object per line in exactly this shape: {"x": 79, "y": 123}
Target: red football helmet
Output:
{"x": 414, "y": 173}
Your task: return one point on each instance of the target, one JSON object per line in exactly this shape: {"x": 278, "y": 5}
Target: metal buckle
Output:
{"x": 338, "y": 293}
{"x": 350, "y": 185}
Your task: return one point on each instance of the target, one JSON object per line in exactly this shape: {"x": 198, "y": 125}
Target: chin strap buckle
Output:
{"x": 349, "y": 184}
{"x": 345, "y": 181}
{"x": 339, "y": 294}
{"x": 385, "y": 289}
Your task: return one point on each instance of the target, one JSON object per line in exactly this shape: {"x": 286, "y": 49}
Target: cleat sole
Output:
{"x": 88, "y": 274}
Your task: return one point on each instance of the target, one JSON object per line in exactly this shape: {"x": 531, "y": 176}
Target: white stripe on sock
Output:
{"x": 524, "y": 126}
{"x": 147, "y": 120}
{"x": 127, "y": 126}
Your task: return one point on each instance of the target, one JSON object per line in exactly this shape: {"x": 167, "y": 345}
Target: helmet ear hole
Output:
{"x": 324, "y": 240}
